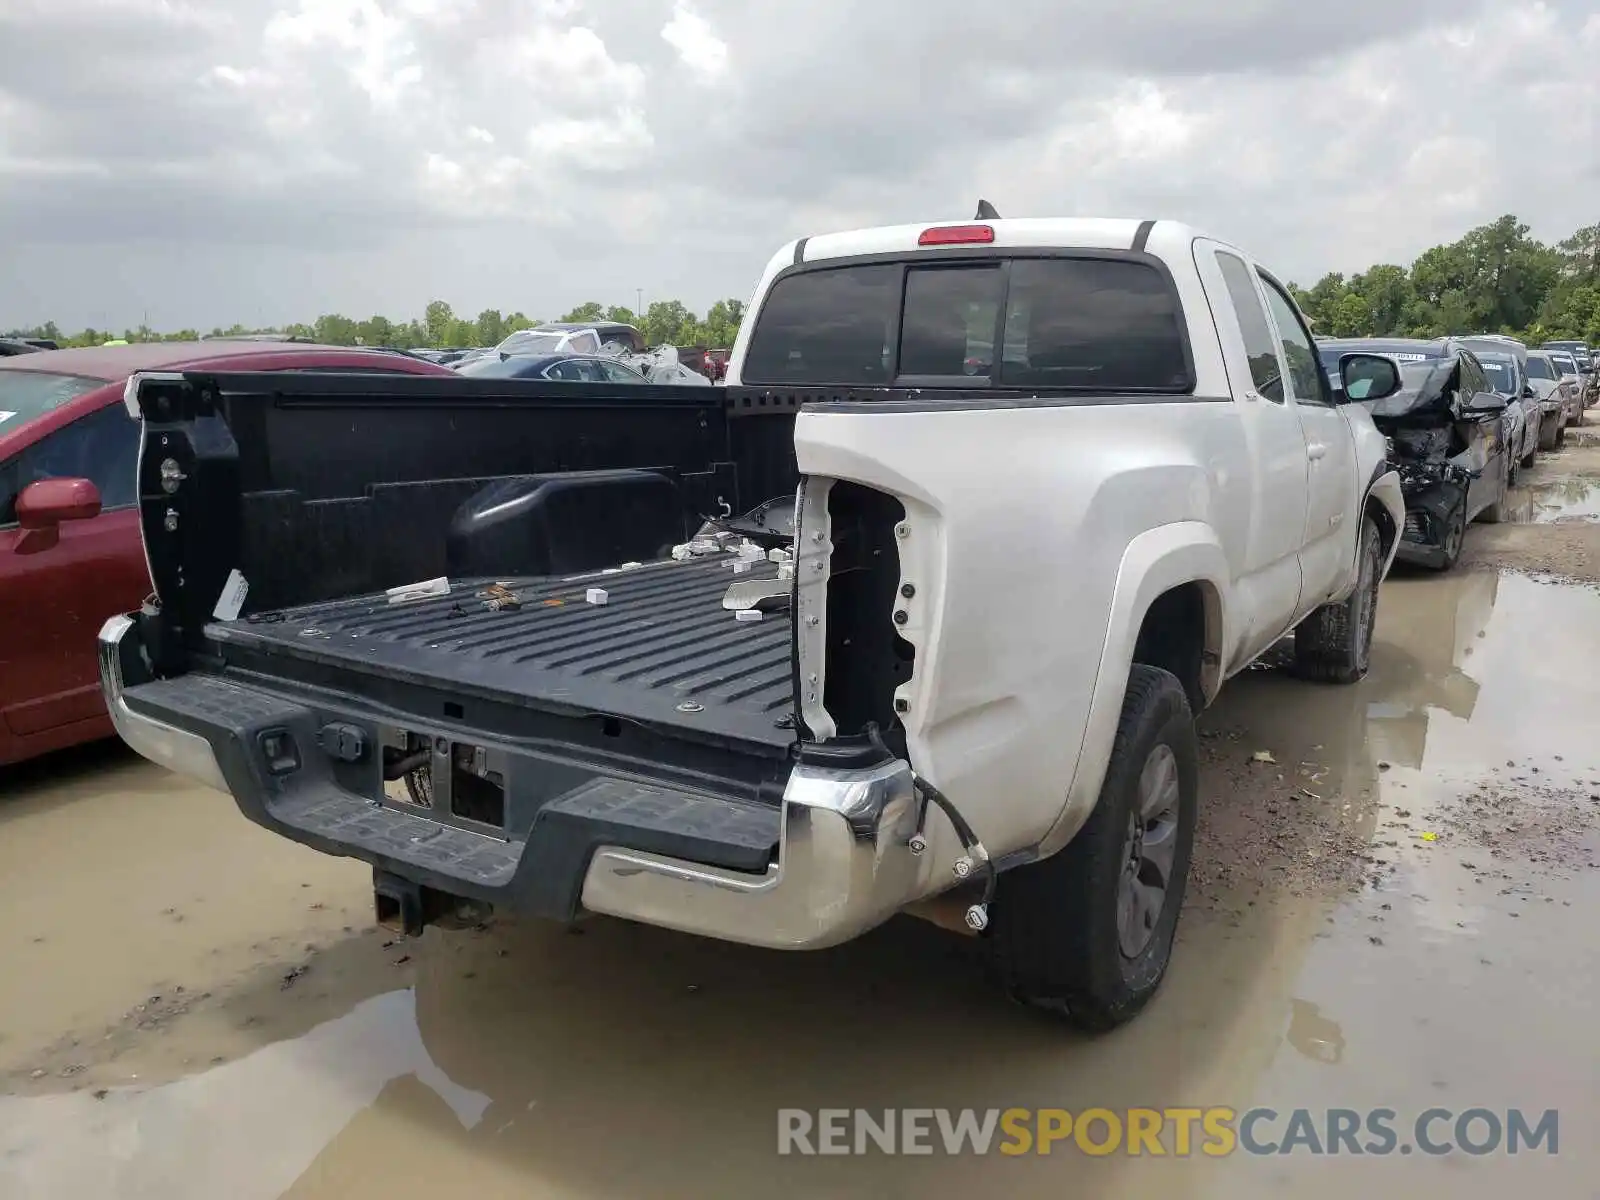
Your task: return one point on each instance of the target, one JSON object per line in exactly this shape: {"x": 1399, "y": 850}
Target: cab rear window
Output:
{"x": 1051, "y": 323}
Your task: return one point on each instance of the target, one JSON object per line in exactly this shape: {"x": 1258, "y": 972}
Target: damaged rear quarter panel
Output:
{"x": 1019, "y": 521}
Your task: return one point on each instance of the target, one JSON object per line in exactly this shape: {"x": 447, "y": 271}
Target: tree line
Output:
{"x": 664, "y": 322}
{"x": 1495, "y": 279}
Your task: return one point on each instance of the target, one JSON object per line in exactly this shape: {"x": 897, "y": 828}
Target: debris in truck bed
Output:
{"x": 597, "y": 596}
{"x": 662, "y": 624}
{"x": 499, "y": 597}
{"x": 426, "y": 590}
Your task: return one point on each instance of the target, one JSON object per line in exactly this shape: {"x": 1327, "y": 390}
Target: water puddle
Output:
{"x": 1564, "y": 499}
{"x": 1395, "y": 911}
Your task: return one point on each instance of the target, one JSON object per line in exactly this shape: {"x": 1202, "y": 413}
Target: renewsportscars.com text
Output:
{"x": 1162, "y": 1132}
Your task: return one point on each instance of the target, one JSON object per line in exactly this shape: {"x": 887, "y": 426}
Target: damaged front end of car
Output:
{"x": 1434, "y": 449}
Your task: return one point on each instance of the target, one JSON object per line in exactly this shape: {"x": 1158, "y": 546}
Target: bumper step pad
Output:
{"x": 638, "y": 816}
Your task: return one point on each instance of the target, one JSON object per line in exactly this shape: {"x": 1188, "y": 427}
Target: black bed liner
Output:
{"x": 663, "y": 651}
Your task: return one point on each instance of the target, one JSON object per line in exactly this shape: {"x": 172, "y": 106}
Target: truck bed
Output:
{"x": 662, "y": 652}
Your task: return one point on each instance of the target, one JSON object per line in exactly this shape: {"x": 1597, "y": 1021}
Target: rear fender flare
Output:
{"x": 1155, "y": 562}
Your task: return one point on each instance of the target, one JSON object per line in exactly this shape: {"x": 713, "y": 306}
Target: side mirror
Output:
{"x": 1528, "y": 393}
{"x": 45, "y": 504}
{"x": 1369, "y": 376}
{"x": 1487, "y": 402}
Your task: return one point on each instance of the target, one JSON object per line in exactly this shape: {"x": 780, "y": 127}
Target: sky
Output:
{"x": 193, "y": 163}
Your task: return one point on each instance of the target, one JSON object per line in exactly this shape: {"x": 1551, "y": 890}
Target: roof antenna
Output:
{"x": 986, "y": 212}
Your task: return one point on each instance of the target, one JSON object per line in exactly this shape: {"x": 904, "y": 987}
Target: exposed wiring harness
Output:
{"x": 976, "y": 856}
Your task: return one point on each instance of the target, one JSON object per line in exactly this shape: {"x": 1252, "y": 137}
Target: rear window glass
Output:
{"x": 1502, "y": 373}
{"x": 833, "y": 326}
{"x": 1100, "y": 324}
{"x": 1068, "y": 323}
{"x": 25, "y": 395}
{"x": 949, "y": 322}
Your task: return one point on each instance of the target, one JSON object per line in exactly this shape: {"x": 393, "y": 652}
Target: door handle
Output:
{"x": 1316, "y": 450}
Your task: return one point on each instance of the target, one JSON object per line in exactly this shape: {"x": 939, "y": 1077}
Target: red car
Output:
{"x": 70, "y": 551}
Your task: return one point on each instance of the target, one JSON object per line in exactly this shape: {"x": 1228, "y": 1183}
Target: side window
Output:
{"x": 1299, "y": 351}
{"x": 568, "y": 370}
{"x": 1266, "y": 371}
{"x": 617, "y": 373}
{"x": 585, "y": 342}
{"x": 102, "y": 447}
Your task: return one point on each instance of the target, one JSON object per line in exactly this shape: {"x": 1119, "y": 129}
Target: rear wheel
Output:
{"x": 1087, "y": 933}
{"x": 1334, "y": 644}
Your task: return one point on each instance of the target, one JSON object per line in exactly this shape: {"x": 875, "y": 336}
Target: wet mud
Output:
{"x": 1552, "y": 526}
{"x": 1391, "y": 907}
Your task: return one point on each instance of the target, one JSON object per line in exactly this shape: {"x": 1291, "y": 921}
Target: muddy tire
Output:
{"x": 1334, "y": 644}
{"x": 1532, "y": 456}
{"x": 1561, "y": 435}
{"x": 1087, "y": 933}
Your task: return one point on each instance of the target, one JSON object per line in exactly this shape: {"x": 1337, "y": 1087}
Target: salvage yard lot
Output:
{"x": 1391, "y": 907}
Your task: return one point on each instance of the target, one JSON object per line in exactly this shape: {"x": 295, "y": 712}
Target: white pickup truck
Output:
{"x": 921, "y": 605}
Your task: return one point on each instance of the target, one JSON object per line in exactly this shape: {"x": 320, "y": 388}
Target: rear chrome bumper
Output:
{"x": 843, "y": 866}
{"x": 176, "y": 749}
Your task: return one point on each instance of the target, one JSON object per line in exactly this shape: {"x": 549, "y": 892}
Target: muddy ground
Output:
{"x": 1392, "y": 906}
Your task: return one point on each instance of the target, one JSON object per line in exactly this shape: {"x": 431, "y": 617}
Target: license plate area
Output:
{"x": 454, "y": 783}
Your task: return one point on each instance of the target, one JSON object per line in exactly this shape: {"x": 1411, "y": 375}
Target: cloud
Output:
{"x": 267, "y": 160}
{"x": 697, "y": 44}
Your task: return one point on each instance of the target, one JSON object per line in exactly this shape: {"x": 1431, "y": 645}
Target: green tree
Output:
{"x": 1580, "y": 256}
{"x": 1321, "y": 301}
{"x": 669, "y": 323}
{"x": 1386, "y": 289}
{"x": 722, "y": 322}
{"x": 589, "y": 310}
{"x": 376, "y": 331}
{"x": 491, "y": 329}
{"x": 437, "y": 318}
{"x": 1351, "y": 317}
{"x": 332, "y": 329}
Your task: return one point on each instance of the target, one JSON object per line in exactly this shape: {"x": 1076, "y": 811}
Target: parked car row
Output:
{"x": 585, "y": 352}
{"x": 1471, "y": 412}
